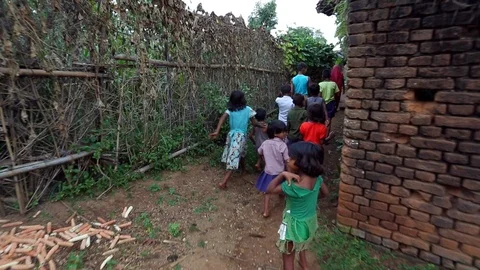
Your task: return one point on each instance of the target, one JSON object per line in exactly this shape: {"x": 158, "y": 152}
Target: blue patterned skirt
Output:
{"x": 235, "y": 148}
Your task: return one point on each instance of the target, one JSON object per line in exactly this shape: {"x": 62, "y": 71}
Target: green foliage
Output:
{"x": 75, "y": 261}
{"x": 264, "y": 16}
{"x": 303, "y": 44}
{"x": 174, "y": 229}
{"x": 206, "y": 207}
{"x": 144, "y": 220}
{"x": 202, "y": 244}
{"x": 341, "y": 14}
{"x": 154, "y": 188}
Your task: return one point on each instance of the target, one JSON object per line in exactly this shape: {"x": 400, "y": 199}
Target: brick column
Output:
{"x": 410, "y": 176}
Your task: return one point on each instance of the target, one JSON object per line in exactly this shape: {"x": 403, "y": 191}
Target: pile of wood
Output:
{"x": 35, "y": 246}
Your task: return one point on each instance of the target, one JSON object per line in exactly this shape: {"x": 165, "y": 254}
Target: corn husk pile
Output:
{"x": 35, "y": 246}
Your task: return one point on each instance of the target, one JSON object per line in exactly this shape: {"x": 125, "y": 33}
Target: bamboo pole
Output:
{"x": 44, "y": 164}
{"x": 176, "y": 154}
{"x": 188, "y": 65}
{"x": 55, "y": 73}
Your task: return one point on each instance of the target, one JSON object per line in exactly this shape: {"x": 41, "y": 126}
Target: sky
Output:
{"x": 289, "y": 13}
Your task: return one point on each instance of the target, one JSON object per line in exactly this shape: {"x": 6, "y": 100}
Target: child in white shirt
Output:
{"x": 284, "y": 103}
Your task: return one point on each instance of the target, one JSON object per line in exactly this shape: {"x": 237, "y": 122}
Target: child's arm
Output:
{"x": 327, "y": 120}
{"x": 255, "y": 123}
{"x": 251, "y": 135}
{"x": 219, "y": 126}
{"x": 275, "y": 187}
{"x": 291, "y": 87}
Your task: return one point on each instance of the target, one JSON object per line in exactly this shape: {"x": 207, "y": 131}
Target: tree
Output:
{"x": 303, "y": 44}
{"x": 264, "y": 16}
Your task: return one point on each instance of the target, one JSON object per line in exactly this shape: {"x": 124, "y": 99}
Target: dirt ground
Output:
{"x": 219, "y": 229}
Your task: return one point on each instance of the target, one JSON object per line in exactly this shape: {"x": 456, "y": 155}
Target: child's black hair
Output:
{"x": 326, "y": 74}
{"x": 285, "y": 89}
{"x": 236, "y": 101}
{"x": 261, "y": 114}
{"x": 316, "y": 113}
{"x": 301, "y": 66}
{"x": 298, "y": 100}
{"x": 308, "y": 158}
{"x": 275, "y": 127}
{"x": 314, "y": 89}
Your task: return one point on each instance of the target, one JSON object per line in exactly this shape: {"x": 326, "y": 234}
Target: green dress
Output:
{"x": 299, "y": 222}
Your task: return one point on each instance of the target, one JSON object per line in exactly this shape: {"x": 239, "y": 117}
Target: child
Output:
{"x": 300, "y": 82}
{"x": 285, "y": 103}
{"x": 328, "y": 90}
{"x": 296, "y": 116}
{"x": 259, "y": 135}
{"x": 275, "y": 153}
{"x": 314, "y": 98}
{"x": 301, "y": 189}
{"x": 238, "y": 113}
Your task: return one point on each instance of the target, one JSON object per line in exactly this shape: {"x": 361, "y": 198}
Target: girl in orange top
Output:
{"x": 315, "y": 131}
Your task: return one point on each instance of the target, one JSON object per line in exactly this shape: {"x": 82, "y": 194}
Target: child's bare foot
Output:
{"x": 222, "y": 185}
{"x": 266, "y": 215}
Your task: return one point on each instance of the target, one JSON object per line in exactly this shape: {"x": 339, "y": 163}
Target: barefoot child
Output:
{"x": 301, "y": 189}
{"x": 329, "y": 89}
{"x": 239, "y": 114}
{"x": 296, "y": 116}
{"x": 284, "y": 103}
{"x": 275, "y": 153}
{"x": 259, "y": 134}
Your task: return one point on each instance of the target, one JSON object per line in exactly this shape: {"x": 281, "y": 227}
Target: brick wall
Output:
{"x": 410, "y": 176}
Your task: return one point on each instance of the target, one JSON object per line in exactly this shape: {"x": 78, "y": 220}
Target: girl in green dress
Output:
{"x": 301, "y": 189}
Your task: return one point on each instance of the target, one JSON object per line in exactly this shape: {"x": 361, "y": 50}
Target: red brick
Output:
{"x": 431, "y": 131}
{"x": 410, "y": 241}
{"x": 444, "y": 202}
{"x": 421, "y": 120}
{"x": 369, "y": 125}
{"x": 442, "y": 72}
{"x": 408, "y": 231}
{"x": 430, "y": 154}
{"x": 347, "y": 221}
{"x": 406, "y": 151}
{"x": 357, "y": 28}
{"x": 447, "y": 243}
{"x": 390, "y": 159}
{"x": 458, "y": 98}
{"x": 471, "y": 184}
{"x": 370, "y": 104}
{"x": 383, "y": 215}
{"x": 353, "y": 153}
{"x": 462, "y": 110}
{"x": 435, "y": 144}
{"x": 404, "y": 172}
{"x": 359, "y": 217}
{"x": 394, "y": 83}
{"x": 389, "y": 225}
{"x": 393, "y": 94}
{"x": 408, "y": 130}
{"x": 441, "y": 60}
{"x": 431, "y": 83}
{"x": 467, "y": 172}
{"x": 455, "y": 158}
{"x": 352, "y": 171}
{"x": 381, "y": 187}
{"x": 426, "y": 187}
{"x": 425, "y": 227}
{"x": 468, "y": 84}
{"x": 461, "y": 134}
{"x": 421, "y": 206}
{"x": 378, "y": 205}
{"x": 378, "y": 14}
{"x": 384, "y": 178}
{"x": 425, "y": 196}
{"x": 360, "y": 93}
{"x": 471, "y": 250}
{"x": 429, "y": 257}
{"x": 442, "y": 222}
{"x": 356, "y": 17}
{"x": 355, "y": 40}
{"x": 425, "y": 176}
{"x": 448, "y": 264}
{"x": 469, "y": 147}
{"x": 355, "y": 134}
{"x": 457, "y": 122}
{"x": 384, "y": 168}
{"x": 397, "y": 118}
{"x": 342, "y": 211}
{"x": 431, "y": 166}
{"x": 410, "y": 251}
{"x": 405, "y": 221}
{"x": 396, "y": 61}
{"x": 373, "y": 238}
{"x": 362, "y": 5}
{"x": 444, "y": 45}
{"x": 399, "y": 24}
{"x": 345, "y": 196}
{"x": 358, "y": 233}
{"x": 451, "y": 254}
{"x": 349, "y": 205}
{"x": 361, "y": 200}
{"x": 467, "y": 207}
{"x": 421, "y": 35}
{"x": 353, "y": 82}
{"x": 390, "y": 244}
{"x": 466, "y": 58}
{"x": 465, "y": 194}
{"x": 375, "y": 230}
{"x": 356, "y": 114}
{"x": 376, "y": 38}
{"x": 398, "y": 210}
{"x": 388, "y": 128}
{"x": 465, "y": 267}
{"x": 455, "y": 32}
{"x": 460, "y": 237}
{"x": 431, "y": 238}
{"x": 363, "y": 183}
{"x": 420, "y": 216}
{"x": 372, "y": 83}
{"x": 362, "y": 72}
{"x": 396, "y": 72}
{"x": 400, "y": 191}
{"x": 373, "y": 221}
{"x": 386, "y": 148}
{"x": 420, "y": 61}
{"x": 467, "y": 228}
{"x": 375, "y": 62}
{"x": 351, "y": 189}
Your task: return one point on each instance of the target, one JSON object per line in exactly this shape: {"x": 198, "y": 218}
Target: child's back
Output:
{"x": 315, "y": 130}
{"x": 275, "y": 153}
{"x": 328, "y": 89}
{"x": 260, "y": 135}
{"x": 296, "y": 116}
{"x": 285, "y": 104}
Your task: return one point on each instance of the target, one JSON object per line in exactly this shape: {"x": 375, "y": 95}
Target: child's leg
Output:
{"x": 225, "y": 179}
{"x": 323, "y": 191}
{"x": 243, "y": 167}
{"x": 266, "y": 205}
{"x": 258, "y": 165}
{"x": 303, "y": 260}
{"x": 289, "y": 259}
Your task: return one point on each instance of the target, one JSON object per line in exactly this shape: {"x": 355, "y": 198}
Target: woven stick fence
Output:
{"x": 129, "y": 82}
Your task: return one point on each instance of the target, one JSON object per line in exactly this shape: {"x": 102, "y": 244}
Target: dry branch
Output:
{"x": 55, "y": 73}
